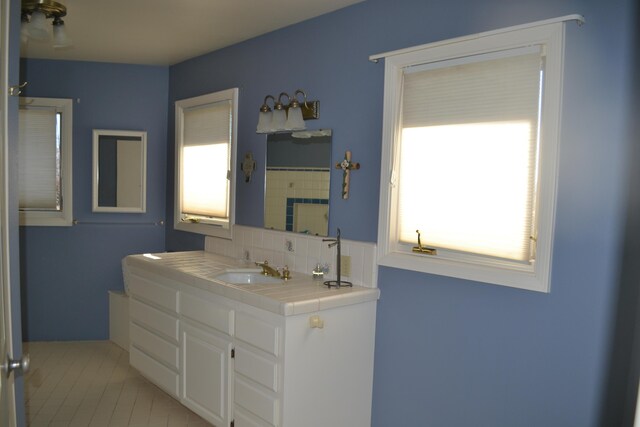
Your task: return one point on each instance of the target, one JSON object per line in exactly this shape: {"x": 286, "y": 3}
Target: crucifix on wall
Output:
{"x": 347, "y": 166}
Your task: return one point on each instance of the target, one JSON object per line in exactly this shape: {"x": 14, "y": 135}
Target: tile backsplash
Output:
{"x": 300, "y": 252}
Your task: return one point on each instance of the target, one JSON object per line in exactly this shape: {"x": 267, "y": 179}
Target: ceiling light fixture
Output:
{"x": 34, "y": 22}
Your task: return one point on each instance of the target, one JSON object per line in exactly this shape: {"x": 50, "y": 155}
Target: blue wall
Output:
{"x": 66, "y": 271}
{"x": 452, "y": 352}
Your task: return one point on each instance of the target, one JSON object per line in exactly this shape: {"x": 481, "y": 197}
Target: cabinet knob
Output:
{"x": 316, "y": 322}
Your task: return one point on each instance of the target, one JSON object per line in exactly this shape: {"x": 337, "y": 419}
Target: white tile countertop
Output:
{"x": 301, "y": 294}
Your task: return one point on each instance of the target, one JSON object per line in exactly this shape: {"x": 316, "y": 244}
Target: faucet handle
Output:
{"x": 286, "y": 274}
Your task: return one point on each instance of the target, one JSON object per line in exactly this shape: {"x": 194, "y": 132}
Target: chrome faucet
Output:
{"x": 338, "y": 282}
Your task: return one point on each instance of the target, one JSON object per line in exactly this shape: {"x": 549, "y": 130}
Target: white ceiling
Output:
{"x": 164, "y": 32}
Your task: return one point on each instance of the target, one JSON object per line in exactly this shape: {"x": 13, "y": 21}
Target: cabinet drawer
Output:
{"x": 153, "y": 292}
{"x": 257, "y": 333}
{"x": 154, "y": 345}
{"x": 154, "y": 319}
{"x": 157, "y": 373}
{"x": 244, "y": 419}
{"x": 256, "y": 401}
{"x": 257, "y": 368}
{"x": 208, "y": 313}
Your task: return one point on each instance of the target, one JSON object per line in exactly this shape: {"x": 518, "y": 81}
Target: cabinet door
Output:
{"x": 205, "y": 374}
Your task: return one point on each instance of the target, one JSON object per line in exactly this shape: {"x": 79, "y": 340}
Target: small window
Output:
{"x": 470, "y": 154}
{"x": 205, "y": 155}
{"x": 44, "y": 160}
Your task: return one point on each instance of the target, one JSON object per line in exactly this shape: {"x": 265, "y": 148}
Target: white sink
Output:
{"x": 246, "y": 278}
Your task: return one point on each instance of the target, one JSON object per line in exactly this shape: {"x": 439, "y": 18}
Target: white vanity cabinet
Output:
{"x": 239, "y": 365}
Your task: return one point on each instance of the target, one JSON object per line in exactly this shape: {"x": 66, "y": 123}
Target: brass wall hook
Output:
{"x": 423, "y": 249}
{"x": 16, "y": 90}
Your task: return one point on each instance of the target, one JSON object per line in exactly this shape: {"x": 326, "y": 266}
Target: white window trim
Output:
{"x": 534, "y": 276}
{"x": 216, "y": 229}
{"x": 63, "y": 218}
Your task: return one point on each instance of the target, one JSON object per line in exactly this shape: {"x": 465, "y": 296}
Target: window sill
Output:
{"x": 45, "y": 219}
{"x": 530, "y": 277}
{"x": 224, "y": 232}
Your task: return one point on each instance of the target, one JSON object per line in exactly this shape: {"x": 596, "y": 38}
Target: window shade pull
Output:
{"x": 423, "y": 249}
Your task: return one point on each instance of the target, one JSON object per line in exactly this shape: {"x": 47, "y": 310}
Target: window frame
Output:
{"x": 216, "y": 228}
{"x": 533, "y": 276}
{"x": 64, "y": 217}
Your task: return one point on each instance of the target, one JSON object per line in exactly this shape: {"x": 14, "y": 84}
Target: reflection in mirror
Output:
{"x": 119, "y": 171}
{"x": 297, "y": 182}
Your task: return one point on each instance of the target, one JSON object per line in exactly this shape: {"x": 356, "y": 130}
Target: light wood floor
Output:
{"x": 90, "y": 383}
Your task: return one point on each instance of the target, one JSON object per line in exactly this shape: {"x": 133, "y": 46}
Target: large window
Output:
{"x": 469, "y": 156}
{"x": 44, "y": 162}
{"x": 205, "y": 155}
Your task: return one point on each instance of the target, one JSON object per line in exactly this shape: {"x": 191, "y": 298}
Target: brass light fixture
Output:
{"x": 34, "y": 22}
{"x": 286, "y": 117}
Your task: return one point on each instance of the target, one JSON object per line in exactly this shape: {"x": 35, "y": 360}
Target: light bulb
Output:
{"x": 278, "y": 120}
{"x": 264, "y": 121}
{"x": 60, "y": 38}
{"x": 38, "y": 26}
{"x": 294, "y": 119}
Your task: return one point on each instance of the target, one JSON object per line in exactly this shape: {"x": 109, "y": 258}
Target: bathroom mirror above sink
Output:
{"x": 119, "y": 171}
{"x": 297, "y": 182}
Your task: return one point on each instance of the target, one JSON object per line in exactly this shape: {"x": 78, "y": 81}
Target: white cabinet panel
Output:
{"x": 256, "y": 367}
{"x": 256, "y": 401}
{"x": 155, "y": 346}
{"x": 244, "y": 419}
{"x": 161, "y": 295}
{"x": 154, "y": 319}
{"x": 159, "y": 374}
{"x": 258, "y": 333}
{"x": 205, "y": 374}
{"x": 208, "y": 313}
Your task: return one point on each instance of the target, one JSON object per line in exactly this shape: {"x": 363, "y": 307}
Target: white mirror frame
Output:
{"x": 97, "y": 133}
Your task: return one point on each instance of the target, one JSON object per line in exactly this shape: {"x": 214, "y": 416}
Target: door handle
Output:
{"x": 20, "y": 366}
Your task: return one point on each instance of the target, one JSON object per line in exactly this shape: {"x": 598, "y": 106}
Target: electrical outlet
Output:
{"x": 345, "y": 265}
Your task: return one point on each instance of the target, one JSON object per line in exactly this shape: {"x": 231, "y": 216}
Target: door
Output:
{"x": 7, "y": 389}
{"x": 9, "y": 415}
{"x": 205, "y": 374}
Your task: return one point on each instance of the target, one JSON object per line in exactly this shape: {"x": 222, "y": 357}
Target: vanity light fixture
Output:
{"x": 34, "y": 22}
{"x": 289, "y": 117}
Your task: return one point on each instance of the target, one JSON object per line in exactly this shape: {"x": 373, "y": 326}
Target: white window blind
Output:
{"x": 39, "y": 159}
{"x": 206, "y": 159}
{"x": 467, "y": 156}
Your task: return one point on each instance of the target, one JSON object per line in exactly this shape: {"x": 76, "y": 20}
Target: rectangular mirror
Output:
{"x": 297, "y": 182}
{"x": 119, "y": 171}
